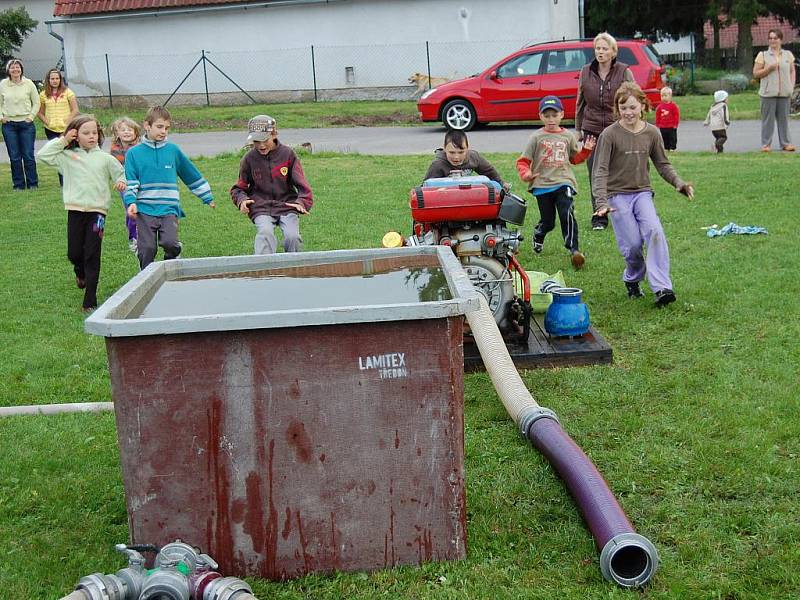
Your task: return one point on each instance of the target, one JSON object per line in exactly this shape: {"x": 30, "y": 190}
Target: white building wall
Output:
{"x": 270, "y": 48}
{"x": 40, "y": 51}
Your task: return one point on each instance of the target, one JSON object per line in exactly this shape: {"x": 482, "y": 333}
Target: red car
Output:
{"x": 510, "y": 89}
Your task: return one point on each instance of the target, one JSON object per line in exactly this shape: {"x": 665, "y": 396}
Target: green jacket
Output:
{"x": 18, "y": 101}
{"x": 86, "y": 175}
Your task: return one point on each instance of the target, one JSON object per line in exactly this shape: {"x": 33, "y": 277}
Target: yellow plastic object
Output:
{"x": 539, "y": 301}
{"x": 392, "y": 240}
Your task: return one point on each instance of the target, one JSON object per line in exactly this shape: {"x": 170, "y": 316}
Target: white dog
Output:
{"x": 423, "y": 82}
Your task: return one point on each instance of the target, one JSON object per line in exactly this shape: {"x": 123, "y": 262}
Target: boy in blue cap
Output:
{"x": 545, "y": 166}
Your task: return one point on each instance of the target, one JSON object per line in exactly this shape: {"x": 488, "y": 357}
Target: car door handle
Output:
{"x": 528, "y": 82}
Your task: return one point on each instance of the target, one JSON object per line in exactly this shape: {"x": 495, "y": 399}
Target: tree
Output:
{"x": 15, "y": 25}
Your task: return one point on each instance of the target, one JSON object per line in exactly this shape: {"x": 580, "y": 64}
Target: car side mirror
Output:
{"x": 493, "y": 75}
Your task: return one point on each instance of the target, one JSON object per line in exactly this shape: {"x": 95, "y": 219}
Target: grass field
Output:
{"x": 694, "y": 425}
{"x": 361, "y": 113}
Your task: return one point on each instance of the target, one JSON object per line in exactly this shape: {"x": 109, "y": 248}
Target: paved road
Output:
{"x": 692, "y": 137}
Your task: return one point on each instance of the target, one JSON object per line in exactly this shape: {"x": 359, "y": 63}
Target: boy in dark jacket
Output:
{"x": 457, "y": 156}
{"x": 272, "y": 188}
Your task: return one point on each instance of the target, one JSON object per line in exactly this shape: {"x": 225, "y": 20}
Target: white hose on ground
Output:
{"x": 78, "y": 595}
{"x": 512, "y": 391}
{"x": 54, "y": 409}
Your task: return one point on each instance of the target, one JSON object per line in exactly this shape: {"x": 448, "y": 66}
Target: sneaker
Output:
{"x": 578, "y": 259}
{"x": 538, "y": 247}
{"x": 80, "y": 282}
{"x": 88, "y": 309}
{"x": 599, "y": 225}
{"x": 789, "y": 148}
{"x": 180, "y": 250}
{"x": 664, "y": 297}
{"x": 766, "y": 149}
{"x": 634, "y": 291}
{"x": 133, "y": 245}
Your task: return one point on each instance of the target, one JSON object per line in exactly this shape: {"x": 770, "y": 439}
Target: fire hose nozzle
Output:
{"x": 228, "y": 588}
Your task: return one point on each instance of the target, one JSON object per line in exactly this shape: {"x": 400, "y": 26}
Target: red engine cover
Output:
{"x": 467, "y": 202}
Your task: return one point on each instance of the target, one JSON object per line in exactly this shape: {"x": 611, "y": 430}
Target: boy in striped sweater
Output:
{"x": 152, "y": 169}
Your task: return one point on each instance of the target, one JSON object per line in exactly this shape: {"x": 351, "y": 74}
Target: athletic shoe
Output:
{"x": 788, "y": 148}
{"x": 599, "y": 225}
{"x": 538, "y": 247}
{"x": 80, "y": 282}
{"x": 180, "y": 250}
{"x": 133, "y": 245}
{"x": 634, "y": 291}
{"x": 578, "y": 259}
{"x": 664, "y": 297}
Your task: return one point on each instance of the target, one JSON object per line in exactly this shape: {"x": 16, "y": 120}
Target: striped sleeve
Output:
{"x": 196, "y": 183}
{"x": 132, "y": 180}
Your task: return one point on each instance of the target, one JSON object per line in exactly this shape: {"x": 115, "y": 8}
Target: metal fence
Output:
{"x": 312, "y": 72}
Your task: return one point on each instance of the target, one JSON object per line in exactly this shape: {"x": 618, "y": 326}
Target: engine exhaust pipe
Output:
{"x": 626, "y": 558}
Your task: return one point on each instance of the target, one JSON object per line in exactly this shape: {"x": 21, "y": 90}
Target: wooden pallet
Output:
{"x": 543, "y": 350}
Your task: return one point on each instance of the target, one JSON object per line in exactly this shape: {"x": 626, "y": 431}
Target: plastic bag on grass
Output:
{"x": 539, "y": 301}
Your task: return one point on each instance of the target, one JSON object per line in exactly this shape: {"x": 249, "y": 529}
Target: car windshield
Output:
{"x": 525, "y": 64}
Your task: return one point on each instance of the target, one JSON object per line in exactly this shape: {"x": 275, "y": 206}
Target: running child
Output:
{"x": 718, "y": 119}
{"x": 545, "y": 167}
{"x": 153, "y": 168}
{"x": 87, "y": 171}
{"x": 621, "y": 184}
{"x": 272, "y": 189}
{"x": 125, "y": 134}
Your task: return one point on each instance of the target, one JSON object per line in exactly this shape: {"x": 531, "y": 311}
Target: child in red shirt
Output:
{"x": 668, "y": 115}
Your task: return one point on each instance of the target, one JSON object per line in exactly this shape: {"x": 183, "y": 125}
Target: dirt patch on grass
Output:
{"x": 183, "y": 124}
{"x": 395, "y": 118}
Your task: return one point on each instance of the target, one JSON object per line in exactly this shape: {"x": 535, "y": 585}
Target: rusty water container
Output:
{"x": 286, "y": 434}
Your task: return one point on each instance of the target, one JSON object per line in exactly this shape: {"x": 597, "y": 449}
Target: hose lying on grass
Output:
{"x": 626, "y": 557}
{"x": 54, "y": 409}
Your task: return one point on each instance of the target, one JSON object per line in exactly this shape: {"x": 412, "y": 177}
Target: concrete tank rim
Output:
{"x": 103, "y": 323}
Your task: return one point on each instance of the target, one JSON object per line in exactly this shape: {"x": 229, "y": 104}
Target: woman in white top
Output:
{"x": 774, "y": 67}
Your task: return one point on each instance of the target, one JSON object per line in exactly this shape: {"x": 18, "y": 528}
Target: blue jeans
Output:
{"x": 19, "y": 137}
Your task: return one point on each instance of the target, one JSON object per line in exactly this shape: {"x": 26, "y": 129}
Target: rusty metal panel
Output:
{"x": 287, "y": 451}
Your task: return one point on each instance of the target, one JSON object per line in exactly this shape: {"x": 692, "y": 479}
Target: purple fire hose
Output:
{"x": 626, "y": 557}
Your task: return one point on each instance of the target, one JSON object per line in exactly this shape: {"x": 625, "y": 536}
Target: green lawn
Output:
{"x": 694, "y": 425}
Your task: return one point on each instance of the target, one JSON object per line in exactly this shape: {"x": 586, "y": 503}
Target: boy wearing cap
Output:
{"x": 152, "y": 169}
{"x": 272, "y": 188}
{"x": 719, "y": 119}
{"x": 545, "y": 166}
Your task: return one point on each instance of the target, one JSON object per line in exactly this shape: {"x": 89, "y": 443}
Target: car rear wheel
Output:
{"x": 459, "y": 115}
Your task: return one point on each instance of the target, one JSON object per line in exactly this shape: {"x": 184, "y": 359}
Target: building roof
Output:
{"x": 89, "y": 7}
{"x": 729, "y": 35}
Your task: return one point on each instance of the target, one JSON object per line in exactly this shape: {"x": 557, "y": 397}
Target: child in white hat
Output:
{"x": 719, "y": 119}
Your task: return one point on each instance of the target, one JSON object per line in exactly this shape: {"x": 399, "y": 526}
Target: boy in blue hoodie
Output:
{"x": 152, "y": 169}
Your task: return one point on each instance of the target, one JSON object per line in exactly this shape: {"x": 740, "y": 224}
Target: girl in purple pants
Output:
{"x": 621, "y": 185}
{"x": 125, "y": 134}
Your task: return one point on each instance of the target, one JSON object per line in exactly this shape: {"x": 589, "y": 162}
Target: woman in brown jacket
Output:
{"x": 598, "y": 82}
